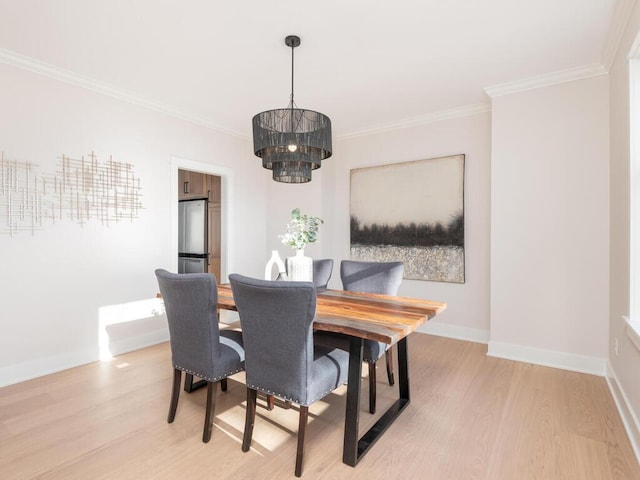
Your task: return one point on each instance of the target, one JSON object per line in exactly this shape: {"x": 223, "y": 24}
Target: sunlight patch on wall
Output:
{"x": 122, "y": 313}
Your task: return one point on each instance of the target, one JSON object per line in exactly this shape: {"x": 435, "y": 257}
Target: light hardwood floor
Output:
{"x": 471, "y": 417}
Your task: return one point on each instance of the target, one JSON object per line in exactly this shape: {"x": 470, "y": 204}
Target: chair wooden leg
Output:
{"x": 210, "y": 411}
{"x": 271, "y": 403}
{"x": 223, "y": 385}
{"x": 250, "y": 418}
{"x": 302, "y": 428}
{"x": 372, "y": 387}
{"x": 175, "y": 394}
{"x": 389, "y": 358}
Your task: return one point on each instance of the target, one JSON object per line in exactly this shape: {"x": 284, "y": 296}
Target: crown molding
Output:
{"x": 634, "y": 51}
{"x": 434, "y": 117}
{"x": 621, "y": 16}
{"x": 546, "y": 80}
{"x": 36, "y": 66}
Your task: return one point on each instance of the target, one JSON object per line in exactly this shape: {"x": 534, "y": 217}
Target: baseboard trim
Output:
{"x": 629, "y": 417}
{"x": 39, "y": 367}
{"x": 549, "y": 358}
{"x": 457, "y": 332}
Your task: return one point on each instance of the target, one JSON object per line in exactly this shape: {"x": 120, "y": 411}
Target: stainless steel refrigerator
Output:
{"x": 192, "y": 237}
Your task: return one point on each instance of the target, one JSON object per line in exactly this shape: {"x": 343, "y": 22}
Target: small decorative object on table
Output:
{"x": 277, "y": 261}
{"x": 302, "y": 230}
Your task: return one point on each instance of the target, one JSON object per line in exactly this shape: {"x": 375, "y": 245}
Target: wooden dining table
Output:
{"x": 383, "y": 318}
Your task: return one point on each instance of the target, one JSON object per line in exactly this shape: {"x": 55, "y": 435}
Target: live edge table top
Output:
{"x": 383, "y": 318}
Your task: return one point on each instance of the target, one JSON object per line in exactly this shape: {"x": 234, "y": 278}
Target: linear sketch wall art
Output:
{"x": 411, "y": 212}
{"x": 80, "y": 190}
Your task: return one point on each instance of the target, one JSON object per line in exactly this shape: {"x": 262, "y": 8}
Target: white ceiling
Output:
{"x": 364, "y": 63}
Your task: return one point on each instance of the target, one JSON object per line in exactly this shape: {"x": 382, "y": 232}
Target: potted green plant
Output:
{"x": 301, "y": 231}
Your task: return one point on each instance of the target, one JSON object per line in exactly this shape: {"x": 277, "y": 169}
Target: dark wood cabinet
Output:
{"x": 215, "y": 224}
{"x": 192, "y": 185}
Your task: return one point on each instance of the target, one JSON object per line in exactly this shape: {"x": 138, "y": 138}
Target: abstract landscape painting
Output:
{"x": 411, "y": 212}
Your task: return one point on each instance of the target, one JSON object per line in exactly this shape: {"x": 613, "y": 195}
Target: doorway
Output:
{"x": 202, "y": 178}
{"x": 197, "y": 189}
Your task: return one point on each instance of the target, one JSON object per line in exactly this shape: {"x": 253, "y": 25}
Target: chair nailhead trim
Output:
{"x": 204, "y": 377}
{"x": 290, "y": 399}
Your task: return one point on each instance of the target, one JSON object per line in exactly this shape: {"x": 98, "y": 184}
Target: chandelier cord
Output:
{"x": 292, "y": 102}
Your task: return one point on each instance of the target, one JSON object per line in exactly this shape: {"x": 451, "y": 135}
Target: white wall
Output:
{"x": 467, "y": 315}
{"x": 55, "y": 281}
{"x": 283, "y": 198}
{"x": 625, "y": 364}
{"x": 549, "y": 224}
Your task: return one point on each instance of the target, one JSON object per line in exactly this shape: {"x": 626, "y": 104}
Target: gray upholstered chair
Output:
{"x": 281, "y": 359}
{"x": 198, "y": 347}
{"x": 322, "y": 269}
{"x": 369, "y": 277}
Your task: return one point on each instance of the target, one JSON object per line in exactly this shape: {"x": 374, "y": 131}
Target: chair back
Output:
{"x": 371, "y": 277}
{"x": 276, "y": 319}
{"x": 322, "y": 269}
{"x": 190, "y": 302}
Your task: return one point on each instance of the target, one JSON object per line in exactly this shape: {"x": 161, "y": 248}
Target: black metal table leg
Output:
{"x": 352, "y": 414}
{"x": 355, "y": 449}
{"x": 403, "y": 370}
{"x": 190, "y": 385}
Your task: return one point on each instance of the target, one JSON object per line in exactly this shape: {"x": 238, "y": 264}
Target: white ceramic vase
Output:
{"x": 277, "y": 261}
{"x": 300, "y": 268}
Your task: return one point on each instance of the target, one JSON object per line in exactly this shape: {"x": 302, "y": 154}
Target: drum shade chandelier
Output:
{"x": 292, "y": 141}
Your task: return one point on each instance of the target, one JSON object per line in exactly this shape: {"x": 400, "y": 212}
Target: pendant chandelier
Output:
{"x": 291, "y": 141}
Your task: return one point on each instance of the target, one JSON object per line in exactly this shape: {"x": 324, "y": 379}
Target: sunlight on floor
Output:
{"x": 273, "y": 428}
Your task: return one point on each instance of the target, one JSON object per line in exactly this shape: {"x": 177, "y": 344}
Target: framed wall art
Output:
{"x": 411, "y": 212}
